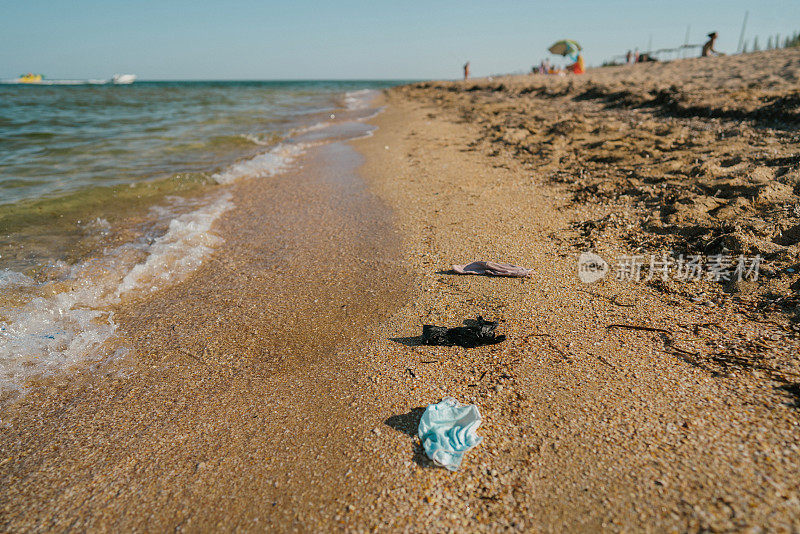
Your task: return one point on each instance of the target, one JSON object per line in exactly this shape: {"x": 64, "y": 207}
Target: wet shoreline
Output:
{"x": 65, "y": 270}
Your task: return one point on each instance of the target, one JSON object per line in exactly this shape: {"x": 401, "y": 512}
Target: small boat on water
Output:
{"x": 123, "y": 79}
{"x": 38, "y": 79}
{"x": 30, "y": 78}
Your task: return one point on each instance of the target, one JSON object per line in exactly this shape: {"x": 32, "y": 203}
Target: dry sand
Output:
{"x": 246, "y": 405}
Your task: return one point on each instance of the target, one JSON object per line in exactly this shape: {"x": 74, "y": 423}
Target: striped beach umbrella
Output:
{"x": 565, "y": 47}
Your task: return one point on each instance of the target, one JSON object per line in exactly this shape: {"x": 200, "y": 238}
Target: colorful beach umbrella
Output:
{"x": 565, "y": 47}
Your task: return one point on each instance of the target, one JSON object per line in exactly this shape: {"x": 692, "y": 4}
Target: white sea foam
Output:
{"x": 50, "y": 333}
{"x": 9, "y": 278}
{"x": 270, "y": 163}
{"x": 359, "y": 99}
{"x": 184, "y": 247}
{"x": 366, "y": 134}
{"x": 256, "y": 140}
{"x": 70, "y": 320}
{"x": 313, "y": 127}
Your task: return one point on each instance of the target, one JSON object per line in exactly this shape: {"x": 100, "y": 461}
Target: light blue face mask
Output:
{"x": 447, "y": 431}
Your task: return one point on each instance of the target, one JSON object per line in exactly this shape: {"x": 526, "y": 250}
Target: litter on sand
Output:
{"x": 447, "y": 431}
{"x": 476, "y": 332}
{"x": 493, "y": 269}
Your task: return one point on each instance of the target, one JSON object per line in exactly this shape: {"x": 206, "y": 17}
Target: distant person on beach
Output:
{"x": 578, "y": 67}
{"x": 636, "y": 56}
{"x": 544, "y": 68}
{"x": 708, "y": 48}
{"x": 466, "y": 70}
{"x": 629, "y": 58}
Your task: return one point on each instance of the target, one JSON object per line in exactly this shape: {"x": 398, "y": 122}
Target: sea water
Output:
{"x": 111, "y": 192}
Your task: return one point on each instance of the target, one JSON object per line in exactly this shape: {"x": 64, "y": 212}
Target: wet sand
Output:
{"x": 227, "y": 423}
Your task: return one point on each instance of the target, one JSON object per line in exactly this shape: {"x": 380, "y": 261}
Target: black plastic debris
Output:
{"x": 476, "y": 332}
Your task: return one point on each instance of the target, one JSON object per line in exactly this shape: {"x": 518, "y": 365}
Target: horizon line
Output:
{"x": 139, "y": 80}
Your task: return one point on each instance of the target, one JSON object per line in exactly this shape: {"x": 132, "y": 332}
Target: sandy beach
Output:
{"x": 280, "y": 386}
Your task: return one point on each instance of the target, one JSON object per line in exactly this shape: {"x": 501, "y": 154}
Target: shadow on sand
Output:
{"x": 408, "y": 423}
{"x": 415, "y": 341}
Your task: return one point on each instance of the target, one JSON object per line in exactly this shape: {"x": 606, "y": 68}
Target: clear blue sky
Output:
{"x": 302, "y": 39}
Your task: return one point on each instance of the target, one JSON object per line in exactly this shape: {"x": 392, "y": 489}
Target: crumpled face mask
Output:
{"x": 447, "y": 431}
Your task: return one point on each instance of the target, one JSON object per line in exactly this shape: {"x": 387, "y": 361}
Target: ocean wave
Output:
{"x": 258, "y": 140}
{"x": 183, "y": 248}
{"x": 238, "y": 140}
{"x": 359, "y": 99}
{"x": 70, "y": 321}
{"x": 313, "y": 128}
{"x": 372, "y": 115}
{"x": 270, "y": 163}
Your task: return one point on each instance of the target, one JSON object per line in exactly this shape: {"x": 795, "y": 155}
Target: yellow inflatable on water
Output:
{"x": 30, "y": 78}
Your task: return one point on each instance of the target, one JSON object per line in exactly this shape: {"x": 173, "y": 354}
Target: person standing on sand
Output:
{"x": 466, "y": 70}
{"x": 629, "y": 58}
{"x": 708, "y": 48}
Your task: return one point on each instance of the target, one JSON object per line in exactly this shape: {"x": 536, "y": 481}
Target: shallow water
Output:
{"x": 58, "y": 139}
{"x": 111, "y": 193}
